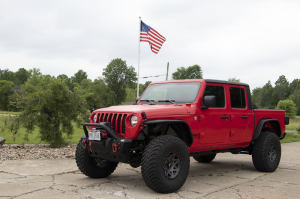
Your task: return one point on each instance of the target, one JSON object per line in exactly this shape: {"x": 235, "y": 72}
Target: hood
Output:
{"x": 157, "y": 110}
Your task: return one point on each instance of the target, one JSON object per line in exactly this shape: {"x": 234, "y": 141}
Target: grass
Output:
{"x": 78, "y": 132}
{"x": 290, "y": 137}
{"x": 34, "y": 136}
{"x": 294, "y": 124}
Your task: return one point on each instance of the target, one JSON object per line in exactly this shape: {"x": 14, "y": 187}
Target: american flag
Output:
{"x": 150, "y": 35}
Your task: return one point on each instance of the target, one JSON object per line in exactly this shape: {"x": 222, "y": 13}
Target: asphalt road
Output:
{"x": 228, "y": 176}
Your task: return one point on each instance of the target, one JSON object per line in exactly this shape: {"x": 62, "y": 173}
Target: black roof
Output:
{"x": 225, "y": 82}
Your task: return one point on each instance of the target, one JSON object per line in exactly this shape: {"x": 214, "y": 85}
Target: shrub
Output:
{"x": 289, "y": 107}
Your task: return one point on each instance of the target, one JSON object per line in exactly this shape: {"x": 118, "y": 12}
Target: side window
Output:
{"x": 217, "y": 91}
{"x": 237, "y": 97}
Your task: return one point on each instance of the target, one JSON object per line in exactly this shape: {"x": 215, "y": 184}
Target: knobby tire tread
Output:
{"x": 151, "y": 163}
{"x": 260, "y": 151}
{"x": 87, "y": 166}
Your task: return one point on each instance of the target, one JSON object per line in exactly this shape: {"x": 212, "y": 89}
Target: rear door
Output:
{"x": 241, "y": 118}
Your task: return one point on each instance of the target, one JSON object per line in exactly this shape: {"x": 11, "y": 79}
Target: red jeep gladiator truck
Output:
{"x": 174, "y": 120}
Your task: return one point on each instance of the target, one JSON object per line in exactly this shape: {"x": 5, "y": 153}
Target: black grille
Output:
{"x": 117, "y": 121}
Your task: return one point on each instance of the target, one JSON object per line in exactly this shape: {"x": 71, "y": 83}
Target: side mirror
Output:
{"x": 208, "y": 101}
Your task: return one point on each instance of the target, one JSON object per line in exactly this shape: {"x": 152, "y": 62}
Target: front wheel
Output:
{"x": 165, "y": 164}
{"x": 266, "y": 152}
{"x": 93, "y": 167}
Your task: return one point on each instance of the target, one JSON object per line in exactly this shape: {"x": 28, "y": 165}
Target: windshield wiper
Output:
{"x": 172, "y": 101}
{"x": 151, "y": 101}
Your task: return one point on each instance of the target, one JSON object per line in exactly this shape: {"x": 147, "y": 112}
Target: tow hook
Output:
{"x": 114, "y": 147}
{"x": 83, "y": 143}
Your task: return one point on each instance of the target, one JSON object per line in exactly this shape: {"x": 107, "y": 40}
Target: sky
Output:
{"x": 254, "y": 41}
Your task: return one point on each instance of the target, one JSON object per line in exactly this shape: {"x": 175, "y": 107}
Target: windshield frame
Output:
{"x": 171, "y": 91}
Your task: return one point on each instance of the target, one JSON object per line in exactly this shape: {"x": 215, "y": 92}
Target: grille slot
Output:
{"x": 123, "y": 123}
{"x": 101, "y": 119}
{"x": 119, "y": 123}
{"x": 105, "y": 119}
{"x": 98, "y": 118}
{"x": 114, "y": 121}
{"x": 109, "y": 119}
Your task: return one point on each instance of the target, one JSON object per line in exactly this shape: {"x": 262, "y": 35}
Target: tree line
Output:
{"x": 285, "y": 92}
{"x": 52, "y": 103}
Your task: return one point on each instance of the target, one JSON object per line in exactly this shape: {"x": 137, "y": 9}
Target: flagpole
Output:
{"x": 138, "y": 75}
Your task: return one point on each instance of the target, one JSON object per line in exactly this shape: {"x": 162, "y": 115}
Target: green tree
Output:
{"x": 289, "y": 107}
{"x": 142, "y": 87}
{"x": 52, "y": 108}
{"x": 295, "y": 93}
{"x": 96, "y": 94}
{"x": 191, "y": 72}
{"x": 21, "y": 76}
{"x": 130, "y": 95}
{"x": 79, "y": 76}
{"x": 5, "y": 91}
{"x": 118, "y": 75}
{"x": 233, "y": 80}
{"x": 7, "y": 75}
{"x": 66, "y": 79}
{"x": 257, "y": 96}
{"x": 281, "y": 90}
{"x": 266, "y": 96}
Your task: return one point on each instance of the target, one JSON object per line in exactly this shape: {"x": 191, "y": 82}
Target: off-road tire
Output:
{"x": 165, "y": 164}
{"x": 88, "y": 165}
{"x": 266, "y": 152}
{"x": 205, "y": 158}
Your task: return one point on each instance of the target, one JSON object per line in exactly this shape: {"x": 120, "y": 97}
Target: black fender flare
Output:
{"x": 188, "y": 137}
{"x": 260, "y": 125}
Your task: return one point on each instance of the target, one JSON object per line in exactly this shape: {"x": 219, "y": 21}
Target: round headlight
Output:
{"x": 133, "y": 120}
{"x": 95, "y": 118}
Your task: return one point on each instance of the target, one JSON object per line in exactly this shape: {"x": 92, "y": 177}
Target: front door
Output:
{"x": 214, "y": 123}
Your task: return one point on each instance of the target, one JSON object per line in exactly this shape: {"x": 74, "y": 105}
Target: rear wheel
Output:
{"x": 205, "y": 158}
{"x": 93, "y": 167}
{"x": 266, "y": 152}
{"x": 165, "y": 164}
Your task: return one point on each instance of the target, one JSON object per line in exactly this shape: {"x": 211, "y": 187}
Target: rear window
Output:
{"x": 237, "y": 97}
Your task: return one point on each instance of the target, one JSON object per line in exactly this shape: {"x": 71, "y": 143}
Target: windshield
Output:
{"x": 184, "y": 92}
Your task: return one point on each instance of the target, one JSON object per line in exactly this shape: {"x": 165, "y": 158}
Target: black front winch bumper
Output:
{"x": 113, "y": 148}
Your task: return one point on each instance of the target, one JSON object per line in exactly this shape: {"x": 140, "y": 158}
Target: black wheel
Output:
{"x": 165, "y": 164}
{"x": 205, "y": 158}
{"x": 266, "y": 152}
{"x": 93, "y": 167}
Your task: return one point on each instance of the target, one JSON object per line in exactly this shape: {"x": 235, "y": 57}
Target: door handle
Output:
{"x": 224, "y": 116}
{"x": 244, "y": 116}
